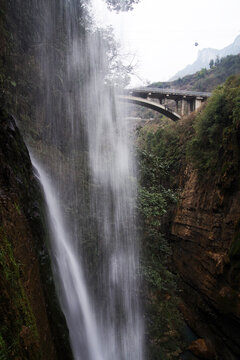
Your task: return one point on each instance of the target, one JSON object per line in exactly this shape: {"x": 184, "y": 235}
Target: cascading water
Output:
{"x": 69, "y": 269}
{"x": 91, "y": 191}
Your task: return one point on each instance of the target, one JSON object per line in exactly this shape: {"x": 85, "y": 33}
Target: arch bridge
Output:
{"x": 169, "y": 102}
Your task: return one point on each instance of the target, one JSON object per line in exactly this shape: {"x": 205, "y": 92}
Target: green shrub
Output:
{"x": 216, "y": 129}
{"x": 16, "y": 314}
{"x": 160, "y": 287}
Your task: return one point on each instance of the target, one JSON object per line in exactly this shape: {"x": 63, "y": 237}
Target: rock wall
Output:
{"x": 31, "y": 326}
{"x": 205, "y": 235}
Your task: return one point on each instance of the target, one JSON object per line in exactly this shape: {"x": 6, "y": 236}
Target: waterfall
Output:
{"x": 90, "y": 188}
{"x": 69, "y": 270}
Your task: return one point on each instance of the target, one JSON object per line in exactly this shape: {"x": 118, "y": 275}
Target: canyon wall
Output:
{"x": 205, "y": 235}
{"x": 32, "y": 326}
{"x": 201, "y": 158}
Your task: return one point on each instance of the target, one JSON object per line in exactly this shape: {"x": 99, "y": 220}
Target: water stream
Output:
{"x": 89, "y": 181}
{"x": 69, "y": 271}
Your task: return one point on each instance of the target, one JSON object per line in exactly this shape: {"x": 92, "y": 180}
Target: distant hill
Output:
{"x": 204, "y": 57}
{"x": 205, "y": 80}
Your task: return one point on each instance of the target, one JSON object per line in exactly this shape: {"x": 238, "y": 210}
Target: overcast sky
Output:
{"x": 162, "y": 34}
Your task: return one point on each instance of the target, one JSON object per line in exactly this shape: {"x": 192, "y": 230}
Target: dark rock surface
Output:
{"x": 32, "y": 325}
{"x": 205, "y": 234}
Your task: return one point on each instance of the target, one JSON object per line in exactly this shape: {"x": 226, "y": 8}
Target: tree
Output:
{"x": 118, "y": 66}
{"x": 121, "y": 5}
{"x": 217, "y": 61}
{"x": 211, "y": 64}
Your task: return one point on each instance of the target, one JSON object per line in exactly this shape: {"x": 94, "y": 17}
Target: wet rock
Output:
{"x": 32, "y": 324}
{"x": 200, "y": 349}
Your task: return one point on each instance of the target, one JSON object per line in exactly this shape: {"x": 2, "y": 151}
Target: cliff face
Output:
{"x": 201, "y": 158}
{"x": 207, "y": 54}
{"x": 205, "y": 234}
{"x": 27, "y": 329}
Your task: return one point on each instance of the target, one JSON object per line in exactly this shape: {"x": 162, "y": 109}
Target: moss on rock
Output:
{"x": 32, "y": 324}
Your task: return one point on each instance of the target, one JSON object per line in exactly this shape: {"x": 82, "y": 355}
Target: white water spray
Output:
{"x": 91, "y": 194}
{"x": 70, "y": 272}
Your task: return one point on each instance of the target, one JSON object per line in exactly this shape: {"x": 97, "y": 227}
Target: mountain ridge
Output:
{"x": 207, "y": 54}
{"x": 205, "y": 80}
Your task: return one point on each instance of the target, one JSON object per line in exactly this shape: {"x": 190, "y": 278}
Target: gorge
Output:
{"x": 112, "y": 238}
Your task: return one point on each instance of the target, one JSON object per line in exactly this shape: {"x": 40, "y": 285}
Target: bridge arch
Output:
{"x": 151, "y": 105}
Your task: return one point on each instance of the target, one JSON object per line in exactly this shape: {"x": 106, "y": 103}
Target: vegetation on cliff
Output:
{"x": 209, "y": 143}
{"x": 208, "y": 139}
{"x": 206, "y": 80}
{"x": 160, "y": 294}
{"x": 215, "y": 143}
{"x": 24, "y": 261}
{"x": 18, "y": 331}
{"x": 199, "y": 157}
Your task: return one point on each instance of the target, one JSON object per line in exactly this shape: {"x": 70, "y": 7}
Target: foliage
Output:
{"x": 117, "y": 72}
{"x": 211, "y": 63}
{"x": 206, "y": 80}
{"x": 210, "y": 142}
{"x": 18, "y": 331}
{"x": 162, "y": 316}
{"x": 121, "y": 5}
{"x": 168, "y": 144}
{"x": 201, "y": 73}
{"x": 217, "y": 130}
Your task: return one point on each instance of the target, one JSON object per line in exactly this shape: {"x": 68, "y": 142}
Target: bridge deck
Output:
{"x": 189, "y": 100}
{"x": 172, "y": 94}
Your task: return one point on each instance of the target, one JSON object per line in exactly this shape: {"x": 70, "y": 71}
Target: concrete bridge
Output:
{"x": 169, "y": 102}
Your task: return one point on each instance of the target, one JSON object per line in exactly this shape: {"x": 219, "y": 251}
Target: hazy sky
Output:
{"x": 162, "y": 34}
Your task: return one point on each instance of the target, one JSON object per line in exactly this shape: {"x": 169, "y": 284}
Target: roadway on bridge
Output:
{"x": 173, "y": 94}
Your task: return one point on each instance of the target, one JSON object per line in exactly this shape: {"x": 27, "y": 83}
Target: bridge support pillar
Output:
{"x": 191, "y": 107}
{"x": 187, "y": 106}
{"x": 177, "y": 106}
{"x": 198, "y": 102}
{"x": 184, "y": 107}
